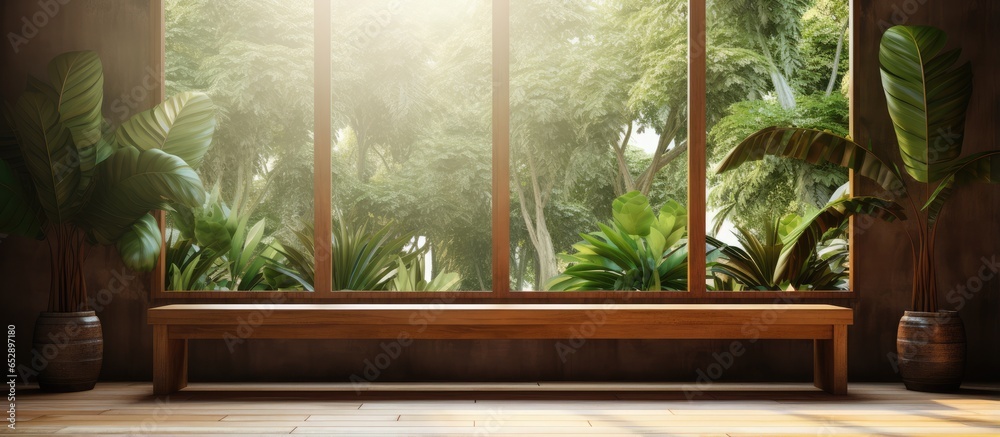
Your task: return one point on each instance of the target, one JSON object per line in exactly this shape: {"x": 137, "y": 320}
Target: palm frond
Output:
{"x": 815, "y": 146}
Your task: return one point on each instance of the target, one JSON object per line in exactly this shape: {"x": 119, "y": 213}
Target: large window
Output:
{"x": 411, "y": 148}
{"x": 255, "y": 60}
{"x": 503, "y": 148}
{"x": 598, "y": 110}
{"x": 774, "y": 63}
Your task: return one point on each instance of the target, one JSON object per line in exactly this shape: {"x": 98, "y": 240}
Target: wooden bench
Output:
{"x": 174, "y": 325}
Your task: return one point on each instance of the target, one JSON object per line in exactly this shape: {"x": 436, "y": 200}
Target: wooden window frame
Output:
{"x": 501, "y": 292}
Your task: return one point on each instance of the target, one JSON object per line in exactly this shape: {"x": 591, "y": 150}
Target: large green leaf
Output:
{"x": 978, "y": 167}
{"x": 632, "y": 212}
{"x": 673, "y": 269}
{"x": 49, "y": 155}
{"x": 36, "y": 85}
{"x": 139, "y": 247}
{"x": 182, "y": 125}
{"x": 754, "y": 264}
{"x": 210, "y": 229}
{"x": 78, "y": 83}
{"x": 927, "y": 98}
{"x": 614, "y": 259}
{"x": 814, "y": 146}
{"x": 367, "y": 261}
{"x": 604, "y": 245}
{"x": 786, "y": 257}
{"x": 184, "y": 278}
{"x": 78, "y": 80}
{"x": 131, "y": 184}
{"x": 191, "y": 267}
{"x": 222, "y": 235}
{"x": 108, "y": 143}
{"x": 672, "y": 222}
{"x": 17, "y": 214}
{"x": 299, "y": 264}
{"x": 247, "y": 255}
{"x": 409, "y": 277}
{"x": 800, "y": 242}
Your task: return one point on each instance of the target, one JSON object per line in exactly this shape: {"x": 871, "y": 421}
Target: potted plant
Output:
{"x": 927, "y": 97}
{"x": 67, "y": 177}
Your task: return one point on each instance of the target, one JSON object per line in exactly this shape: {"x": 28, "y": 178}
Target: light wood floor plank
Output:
{"x": 165, "y": 417}
{"x": 107, "y": 429}
{"x": 22, "y": 429}
{"x": 472, "y": 408}
{"x": 260, "y": 411}
{"x": 266, "y": 418}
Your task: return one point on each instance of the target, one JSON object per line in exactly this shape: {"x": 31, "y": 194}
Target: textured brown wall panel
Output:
{"x": 119, "y": 31}
{"x": 968, "y": 229}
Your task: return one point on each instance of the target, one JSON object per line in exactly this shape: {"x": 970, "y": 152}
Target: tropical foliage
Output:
{"x": 639, "y": 250}
{"x": 927, "y": 96}
{"x": 799, "y": 252}
{"x": 72, "y": 179}
{"x": 217, "y": 248}
{"x": 598, "y": 109}
{"x": 363, "y": 259}
{"x": 410, "y": 278}
{"x": 750, "y": 197}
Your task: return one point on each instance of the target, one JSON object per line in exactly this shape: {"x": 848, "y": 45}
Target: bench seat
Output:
{"x": 174, "y": 325}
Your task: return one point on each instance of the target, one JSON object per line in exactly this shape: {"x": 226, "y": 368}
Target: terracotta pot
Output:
{"x": 931, "y": 348}
{"x": 70, "y": 349}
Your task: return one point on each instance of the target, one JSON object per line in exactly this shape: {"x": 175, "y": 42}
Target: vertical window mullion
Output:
{"x": 851, "y": 128}
{"x": 158, "y": 18}
{"x": 322, "y": 143}
{"x": 501, "y": 148}
{"x": 696, "y": 147}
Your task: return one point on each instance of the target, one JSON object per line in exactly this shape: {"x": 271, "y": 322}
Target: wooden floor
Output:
{"x": 526, "y": 409}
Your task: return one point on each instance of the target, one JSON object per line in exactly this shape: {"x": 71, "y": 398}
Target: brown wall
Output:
{"x": 968, "y": 228}
{"x": 121, "y": 32}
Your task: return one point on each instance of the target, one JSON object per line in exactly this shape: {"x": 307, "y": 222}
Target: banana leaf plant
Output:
{"x": 927, "y": 96}
{"x": 68, "y": 177}
{"x": 799, "y": 252}
{"x": 640, "y": 250}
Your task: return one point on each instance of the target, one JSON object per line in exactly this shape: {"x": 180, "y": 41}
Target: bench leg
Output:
{"x": 169, "y": 362}
{"x": 830, "y": 362}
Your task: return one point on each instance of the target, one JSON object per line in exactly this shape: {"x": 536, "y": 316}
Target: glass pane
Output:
{"x": 255, "y": 60}
{"x": 775, "y": 63}
{"x": 598, "y": 111}
{"x": 412, "y": 84}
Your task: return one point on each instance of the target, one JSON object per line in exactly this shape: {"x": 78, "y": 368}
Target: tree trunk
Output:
{"x": 522, "y": 266}
{"x": 836, "y": 60}
{"x": 663, "y": 154}
{"x": 362, "y": 157}
{"x": 538, "y": 230}
{"x": 645, "y": 184}
{"x": 479, "y": 277}
{"x": 547, "y": 266}
{"x": 624, "y": 182}
{"x": 782, "y": 90}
